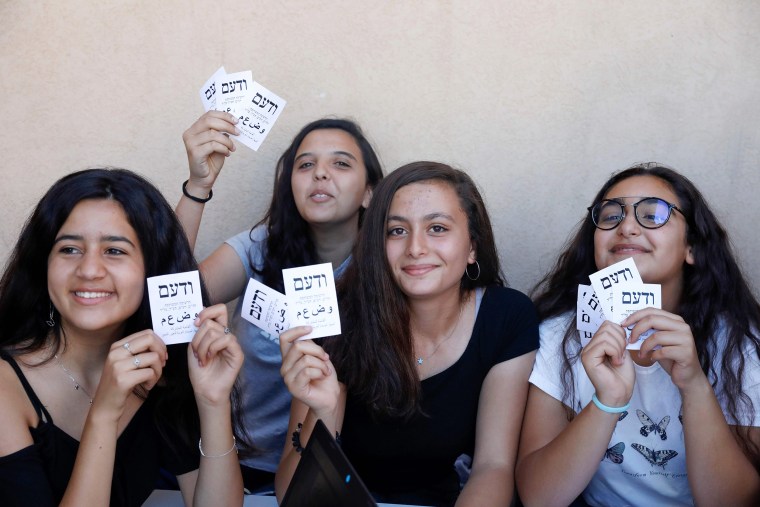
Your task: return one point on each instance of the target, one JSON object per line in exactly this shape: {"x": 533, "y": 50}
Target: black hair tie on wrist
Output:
{"x": 296, "y": 438}
{"x": 196, "y": 199}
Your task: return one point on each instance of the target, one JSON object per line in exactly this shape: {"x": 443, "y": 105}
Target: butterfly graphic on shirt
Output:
{"x": 622, "y": 416}
{"x": 680, "y": 415}
{"x": 615, "y": 453}
{"x": 649, "y": 426}
{"x": 658, "y": 458}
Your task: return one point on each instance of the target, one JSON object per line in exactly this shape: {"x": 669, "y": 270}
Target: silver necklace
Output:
{"x": 421, "y": 360}
{"x": 77, "y": 385}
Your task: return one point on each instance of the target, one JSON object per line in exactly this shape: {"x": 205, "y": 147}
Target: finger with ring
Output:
{"x": 226, "y": 330}
{"x": 137, "y": 362}
{"x": 126, "y": 346}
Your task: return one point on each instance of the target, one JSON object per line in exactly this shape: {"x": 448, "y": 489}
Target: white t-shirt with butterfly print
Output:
{"x": 645, "y": 463}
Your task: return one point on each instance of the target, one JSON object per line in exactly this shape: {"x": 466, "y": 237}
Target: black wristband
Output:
{"x": 196, "y": 199}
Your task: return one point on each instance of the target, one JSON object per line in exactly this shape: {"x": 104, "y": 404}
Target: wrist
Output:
{"x": 332, "y": 415}
{"x": 99, "y": 417}
{"x": 327, "y": 414}
{"x": 212, "y": 403}
{"x": 196, "y": 193}
{"x": 617, "y": 408}
{"x": 698, "y": 387}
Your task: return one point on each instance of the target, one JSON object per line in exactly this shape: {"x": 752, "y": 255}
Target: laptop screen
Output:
{"x": 324, "y": 476}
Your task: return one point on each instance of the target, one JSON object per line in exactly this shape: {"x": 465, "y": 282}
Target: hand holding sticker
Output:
{"x": 312, "y": 300}
{"x": 621, "y": 292}
{"x": 175, "y": 302}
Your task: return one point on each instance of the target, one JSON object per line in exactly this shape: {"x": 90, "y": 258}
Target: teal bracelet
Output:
{"x": 610, "y": 410}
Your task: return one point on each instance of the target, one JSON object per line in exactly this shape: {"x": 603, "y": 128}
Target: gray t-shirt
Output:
{"x": 265, "y": 398}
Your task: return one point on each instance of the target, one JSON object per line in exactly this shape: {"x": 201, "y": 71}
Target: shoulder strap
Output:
{"x": 42, "y": 412}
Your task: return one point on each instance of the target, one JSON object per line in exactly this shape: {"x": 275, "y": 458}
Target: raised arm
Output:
{"x": 214, "y": 360}
{"x": 543, "y": 477}
{"x": 500, "y": 414}
{"x": 207, "y": 145}
{"x": 317, "y": 394}
{"x": 719, "y": 471}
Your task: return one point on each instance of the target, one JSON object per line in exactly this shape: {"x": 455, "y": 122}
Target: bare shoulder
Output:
{"x": 17, "y": 413}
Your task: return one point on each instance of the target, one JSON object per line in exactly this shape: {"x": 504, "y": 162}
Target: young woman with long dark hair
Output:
{"x": 431, "y": 369}
{"x": 94, "y": 404}
{"x": 675, "y": 423}
{"x": 322, "y": 183}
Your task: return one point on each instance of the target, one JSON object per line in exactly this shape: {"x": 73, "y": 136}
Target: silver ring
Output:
{"x": 126, "y": 346}
{"x": 137, "y": 362}
{"x": 226, "y": 330}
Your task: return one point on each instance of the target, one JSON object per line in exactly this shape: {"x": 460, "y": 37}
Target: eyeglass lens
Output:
{"x": 650, "y": 213}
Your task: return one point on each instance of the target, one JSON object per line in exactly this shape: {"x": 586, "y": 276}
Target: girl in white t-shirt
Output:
{"x": 676, "y": 422}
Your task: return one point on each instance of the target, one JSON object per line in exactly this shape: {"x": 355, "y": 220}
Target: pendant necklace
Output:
{"x": 421, "y": 360}
{"x": 77, "y": 385}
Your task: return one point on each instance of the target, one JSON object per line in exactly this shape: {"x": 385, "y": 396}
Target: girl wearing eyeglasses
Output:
{"x": 675, "y": 423}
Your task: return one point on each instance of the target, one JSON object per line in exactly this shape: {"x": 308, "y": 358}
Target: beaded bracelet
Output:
{"x": 610, "y": 410}
{"x": 225, "y": 453}
{"x": 296, "y": 438}
{"x": 193, "y": 198}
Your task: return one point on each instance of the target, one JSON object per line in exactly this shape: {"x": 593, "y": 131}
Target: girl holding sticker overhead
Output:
{"x": 323, "y": 181}
{"x": 675, "y": 423}
{"x": 94, "y": 404}
{"x": 434, "y": 358}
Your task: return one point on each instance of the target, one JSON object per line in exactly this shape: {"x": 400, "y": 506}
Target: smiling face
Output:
{"x": 660, "y": 253}
{"x": 96, "y": 272}
{"x": 428, "y": 242}
{"x": 329, "y": 180}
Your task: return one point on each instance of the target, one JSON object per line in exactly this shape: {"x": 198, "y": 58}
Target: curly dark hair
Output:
{"x": 714, "y": 292}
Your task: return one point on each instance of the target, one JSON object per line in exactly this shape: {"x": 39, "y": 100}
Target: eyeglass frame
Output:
{"x": 635, "y": 205}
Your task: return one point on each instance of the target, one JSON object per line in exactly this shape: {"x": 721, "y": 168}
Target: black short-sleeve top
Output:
{"x": 413, "y": 461}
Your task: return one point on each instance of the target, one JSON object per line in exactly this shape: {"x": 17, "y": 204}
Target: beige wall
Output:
{"x": 539, "y": 101}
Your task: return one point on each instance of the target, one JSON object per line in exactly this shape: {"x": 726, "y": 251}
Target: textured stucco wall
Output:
{"x": 539, "y": 101}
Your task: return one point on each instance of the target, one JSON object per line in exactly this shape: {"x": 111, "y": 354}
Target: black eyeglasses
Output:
{"x": 650, "y": 212}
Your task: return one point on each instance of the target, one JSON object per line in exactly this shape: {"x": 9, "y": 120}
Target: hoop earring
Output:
{"x": 467, "y": 271}
{"x": 51, "y": 320}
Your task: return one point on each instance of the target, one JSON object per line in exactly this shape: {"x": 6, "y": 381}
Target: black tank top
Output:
{"x": 38, "y": 474}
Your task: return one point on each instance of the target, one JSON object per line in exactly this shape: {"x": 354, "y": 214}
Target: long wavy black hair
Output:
{"x": 25, "y": 304}
{"x": 714, "y": 292}
{"x": 374, "y": 356}
{"x": 289, "y": 242}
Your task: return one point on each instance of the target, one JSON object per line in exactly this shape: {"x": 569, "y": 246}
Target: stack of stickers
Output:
{"x": 256, "y": 107}
{"x": 615, "y": 293}
{"x": 310, "y": 299}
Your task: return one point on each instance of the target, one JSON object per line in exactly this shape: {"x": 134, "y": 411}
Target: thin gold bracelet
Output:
{"x": 233, "y": 448}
